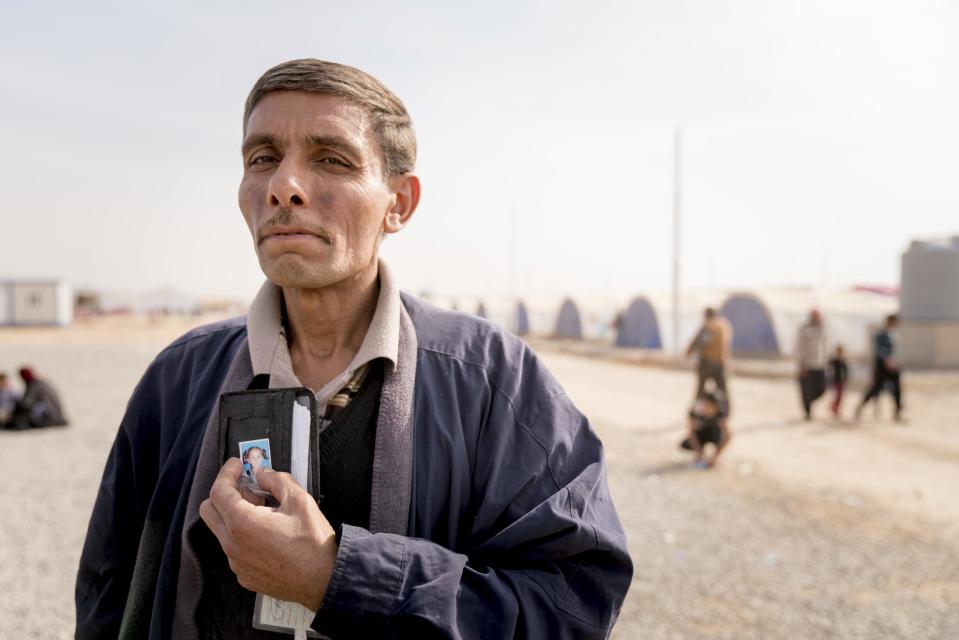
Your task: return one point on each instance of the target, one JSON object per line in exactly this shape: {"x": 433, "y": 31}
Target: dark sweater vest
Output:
{"x": 346, "y": 472}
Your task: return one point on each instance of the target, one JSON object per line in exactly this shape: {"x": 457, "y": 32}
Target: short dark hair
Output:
{"x": 390, "y": 121}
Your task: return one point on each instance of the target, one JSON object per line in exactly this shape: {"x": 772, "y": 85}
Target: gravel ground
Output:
{"x": 805, "y": 531}
{"x": 732, "y": 554}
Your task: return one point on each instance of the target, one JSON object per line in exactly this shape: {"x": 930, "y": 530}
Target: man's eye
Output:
{"x": 262, "y": 160}
{"x": 334, "y": 161}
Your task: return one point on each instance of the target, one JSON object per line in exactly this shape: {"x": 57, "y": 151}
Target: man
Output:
{"x": 464, "y": 496}
{"x": 811, "y": 357}
{"x": 885, "y": 370}
{"x": 40, "y": 404}
{"x": 713, "y": 344}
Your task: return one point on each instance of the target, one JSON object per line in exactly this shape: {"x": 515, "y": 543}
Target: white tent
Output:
{"x": 158, "y": 301}
{"x": 587, "y": 318}
{"x": 648, "y": 320}
{"x": 503, "y": 311}
{"x": 452, "y": 303}
{"x": 536, "y": 315}
{"x": 766, "y": 322}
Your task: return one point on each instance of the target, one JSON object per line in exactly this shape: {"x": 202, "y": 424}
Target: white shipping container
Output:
{"x": 36, "y": 303}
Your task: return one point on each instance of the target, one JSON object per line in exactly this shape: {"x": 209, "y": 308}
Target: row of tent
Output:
{"x": 765, "y": 323}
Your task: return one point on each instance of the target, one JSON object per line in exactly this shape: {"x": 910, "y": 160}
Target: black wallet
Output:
{"x": 248, "y": 417}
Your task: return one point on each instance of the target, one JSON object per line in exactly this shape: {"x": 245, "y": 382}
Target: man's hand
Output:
{"x": 287, "y": 552}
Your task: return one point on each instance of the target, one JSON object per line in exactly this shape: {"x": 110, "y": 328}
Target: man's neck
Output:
{"x": 327, "y": 326}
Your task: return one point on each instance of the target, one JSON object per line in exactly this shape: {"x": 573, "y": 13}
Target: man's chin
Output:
{"x": 297, "y": 275}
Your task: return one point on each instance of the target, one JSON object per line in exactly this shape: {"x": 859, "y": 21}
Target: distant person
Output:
{"x": 886, "y": 370}
{"x": 40, "y": 405}
{"x": 708, "y": 423}
{"x": 839, "y": 373}
{"x": 812, "y": 356}
{"x": 713, "y": 345}
{"x": 618, "y": 321}
{"x": 8, "y": 400}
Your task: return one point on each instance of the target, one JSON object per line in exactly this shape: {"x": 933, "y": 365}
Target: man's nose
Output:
{"x": 287, "y": 187}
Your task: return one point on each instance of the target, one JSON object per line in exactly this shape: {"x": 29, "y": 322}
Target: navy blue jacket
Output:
{"x": 511, "y": 532}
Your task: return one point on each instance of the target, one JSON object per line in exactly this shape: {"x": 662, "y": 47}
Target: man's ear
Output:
{"x": 406, "y": 193}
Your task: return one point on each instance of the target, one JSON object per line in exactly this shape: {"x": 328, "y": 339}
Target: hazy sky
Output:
{"x": 820, "y": 137}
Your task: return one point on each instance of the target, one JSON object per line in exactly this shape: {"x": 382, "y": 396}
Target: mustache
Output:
{"x": 286, "y": 218}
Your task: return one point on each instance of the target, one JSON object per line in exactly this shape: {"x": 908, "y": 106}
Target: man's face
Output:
{"x": 313, "y": 193}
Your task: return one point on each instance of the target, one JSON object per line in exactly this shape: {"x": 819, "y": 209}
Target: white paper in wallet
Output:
{"x": 271, "y": 614}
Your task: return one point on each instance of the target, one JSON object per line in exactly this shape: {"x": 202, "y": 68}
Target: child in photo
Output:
{"x": 255, "y": 455}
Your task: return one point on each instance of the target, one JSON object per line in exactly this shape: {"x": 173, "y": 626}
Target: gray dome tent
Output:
{"x": 522, "y": 319}
{"x": 639, "y": 326}
{"x": 568, "y": 322}
{"x": 753, "y": 330}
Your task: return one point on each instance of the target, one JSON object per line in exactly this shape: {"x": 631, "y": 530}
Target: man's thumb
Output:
{"x": 279, "y": 484}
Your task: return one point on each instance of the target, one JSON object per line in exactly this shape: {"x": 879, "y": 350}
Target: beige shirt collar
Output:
{"x": 269, "y": 351}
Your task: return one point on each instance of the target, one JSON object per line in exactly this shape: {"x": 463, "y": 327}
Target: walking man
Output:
{"x": 713, "y": 345}
{"x": 885, "y": 370}
{"x": 812, "y": 357}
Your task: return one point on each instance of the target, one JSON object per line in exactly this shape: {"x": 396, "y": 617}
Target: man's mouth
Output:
{"x": 293, "y": 233}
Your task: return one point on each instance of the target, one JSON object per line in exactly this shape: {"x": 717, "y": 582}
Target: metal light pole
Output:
{"x": 677, "y": 202}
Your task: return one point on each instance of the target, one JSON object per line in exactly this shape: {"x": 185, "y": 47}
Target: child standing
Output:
{"x": 840, "y": 372}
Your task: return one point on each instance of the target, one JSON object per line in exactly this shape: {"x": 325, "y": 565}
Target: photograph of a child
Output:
{"x": 255, "y": 455}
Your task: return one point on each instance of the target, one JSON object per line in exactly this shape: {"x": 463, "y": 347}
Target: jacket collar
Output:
{"x": 269, "y": 349}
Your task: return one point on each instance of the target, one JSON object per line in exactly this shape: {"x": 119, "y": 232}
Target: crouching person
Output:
{"x": 39, "y": 406}
{"x": 708, "y": 425}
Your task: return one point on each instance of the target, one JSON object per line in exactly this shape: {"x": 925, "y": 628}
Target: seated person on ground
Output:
{"x": 40, "y": 405}
{"x": 708, "y": 423}
{"x": 8, "y": 400}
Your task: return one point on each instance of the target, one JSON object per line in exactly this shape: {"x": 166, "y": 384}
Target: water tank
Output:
{"x": 930, "y": 281}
